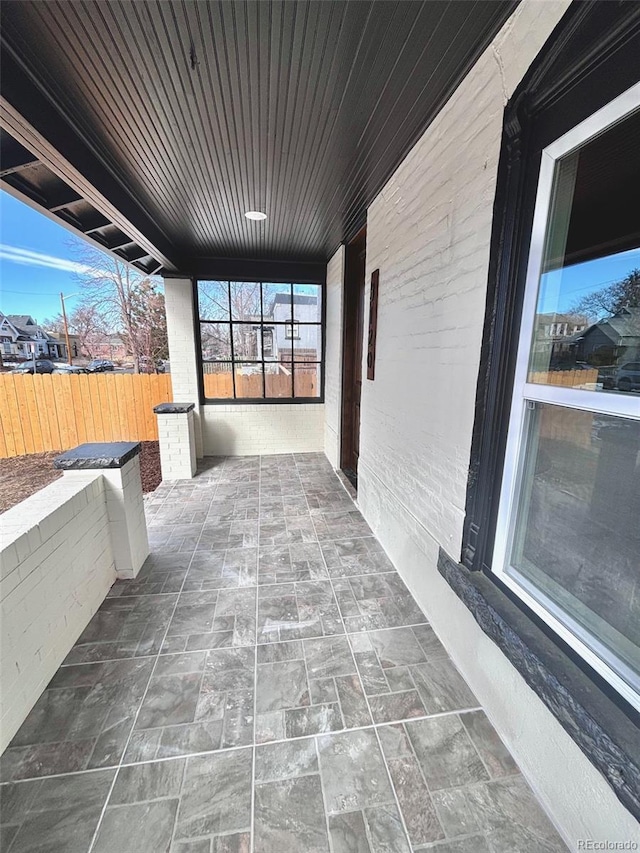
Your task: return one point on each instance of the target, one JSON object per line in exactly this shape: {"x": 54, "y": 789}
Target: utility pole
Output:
{"x": 66, "y": 329}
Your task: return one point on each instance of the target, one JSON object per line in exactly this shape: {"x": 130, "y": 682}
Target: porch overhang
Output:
{"x": 151, "y": 129}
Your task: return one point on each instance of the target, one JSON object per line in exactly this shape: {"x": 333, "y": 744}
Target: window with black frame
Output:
{"x": 568, "y": 528}
{"x": 261, "y": 340}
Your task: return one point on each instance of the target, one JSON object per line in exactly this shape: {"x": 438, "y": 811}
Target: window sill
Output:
{"x": 607, "y": 734}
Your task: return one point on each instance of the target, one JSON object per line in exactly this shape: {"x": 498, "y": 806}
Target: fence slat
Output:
{"x": 43, "y": 412}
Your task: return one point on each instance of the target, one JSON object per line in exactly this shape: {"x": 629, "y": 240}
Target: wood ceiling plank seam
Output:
{"x": 239, "y": 17}
{"x": 210, "y": 177}
{"x": 407, "y": 113}
{"x": 226, "y": 162}
{"x": 453, "y": 78}
{"x": 295, "y": 64}
{"x": 225, "y": 204}
{"x": 208, "y": 214}
{"x": 87, "y": 135}
{"x": 338, "y": 114}
{"x": 152, "y": 104}
{"x": 114, "y": 166}
{"x": 238, "y": 96}
{"x": 275, "y": 111}
{"x": 258, "y": 142}
{"x": 313, "y": 67}
{"x": 161, "y": 99}
{"x": 357, "y": 174}
{"x": 142, "y": 165}
{"x": 168, "y": 93}
{"x": 383, "y": 93}
{"x": 68, "y": 173}
{"x": 281, "y": 140}
{"x": 339, "y": 163}
{"x": 233, "y": 153}
{"x": 174, "y": 46}
{"x": 301, "y": 187}
{"x": 238, "y": 131}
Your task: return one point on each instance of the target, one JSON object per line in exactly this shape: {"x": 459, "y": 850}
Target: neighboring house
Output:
{"x": 555, "y": 336}
{"x": 609, "y": 340}
{"x": 20, "y": 336}
{"x": 109, "y": 346}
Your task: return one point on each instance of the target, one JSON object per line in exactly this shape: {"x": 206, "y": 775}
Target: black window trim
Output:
{"x": 289, "y": 277}
{"x": 590, "y": 58}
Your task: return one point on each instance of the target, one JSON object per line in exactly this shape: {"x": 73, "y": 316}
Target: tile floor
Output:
{"x": 266, "y": 685}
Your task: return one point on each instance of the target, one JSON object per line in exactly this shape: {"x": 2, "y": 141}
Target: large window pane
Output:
{"x": 278, "y": 380}
{"x": 213, "y": 300}
{"x": 245, "y": 300}
{"x": 276, "y": 302}
{"x": 218, "y": 379}
{"x": 248, "y": 379}
{"x": 246, "y": 341}
{"x": 306, "y": 380}
{"x": 307, "y": 303}
{"x": 216, "y": 341}
{"x": 587, "y": 326}
{"x": 577, "y": 527}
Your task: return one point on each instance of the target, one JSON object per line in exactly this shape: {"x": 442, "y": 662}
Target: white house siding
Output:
{"x": 428, "y": 232}
{"x": 333, "y": 359}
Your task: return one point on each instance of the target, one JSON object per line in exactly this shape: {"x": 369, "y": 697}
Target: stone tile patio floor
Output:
{"x": 266, "y": 684}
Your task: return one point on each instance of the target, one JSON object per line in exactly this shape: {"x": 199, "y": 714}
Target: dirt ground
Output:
{"x": 24, "y": 475}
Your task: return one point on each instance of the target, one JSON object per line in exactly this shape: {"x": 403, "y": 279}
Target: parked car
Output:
{"x": 42, "y": 365}
{"x": 69, "y": 368}
{"x": 628, "y": 376}
{"x": 99, "y": 365}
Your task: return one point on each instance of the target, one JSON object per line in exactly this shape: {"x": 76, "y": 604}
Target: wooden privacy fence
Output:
{"x": 220, "y": 385}
{"x": 566, "y": 378}
{"x": 57, "y": 412}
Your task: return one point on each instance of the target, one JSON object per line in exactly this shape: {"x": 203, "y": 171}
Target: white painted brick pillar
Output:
{"x": 119, "y": 464}
{"x": 177, "y": 434}
{"x": 181, "y": 325}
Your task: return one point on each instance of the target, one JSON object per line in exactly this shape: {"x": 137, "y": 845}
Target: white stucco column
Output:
{"x": 119, "y": 464}
{"x": 181, "y": 320}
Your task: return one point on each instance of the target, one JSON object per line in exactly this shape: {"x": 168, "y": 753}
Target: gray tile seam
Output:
{"x": 228, "y": 749}
{"x": 135, "y": 719}
{"x": 366, "y": 698}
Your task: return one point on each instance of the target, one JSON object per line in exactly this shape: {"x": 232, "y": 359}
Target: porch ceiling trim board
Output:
{"x": 184, "y": 116}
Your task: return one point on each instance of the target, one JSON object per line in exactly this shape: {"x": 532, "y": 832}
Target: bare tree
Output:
{"x": 612, "y": 299}
{"x": 117, "y": 293}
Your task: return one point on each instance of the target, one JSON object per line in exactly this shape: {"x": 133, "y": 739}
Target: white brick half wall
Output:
{"x": 333, "y": 358}
{"x": 176, "y": 432}
{"x": 248, "y": 430}
{"x": 57, "y": 565}
{"x": 428, "y": 232}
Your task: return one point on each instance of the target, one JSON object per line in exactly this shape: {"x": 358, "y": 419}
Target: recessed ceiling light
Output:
{"x": 255, "y": 214}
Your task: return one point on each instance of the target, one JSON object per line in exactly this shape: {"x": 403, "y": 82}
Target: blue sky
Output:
{"x": 36, "y": 261}
{"x": 560, "y": 289}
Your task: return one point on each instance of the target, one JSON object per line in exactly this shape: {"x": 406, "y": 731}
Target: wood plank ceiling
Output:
{"x": 183, "y": 115}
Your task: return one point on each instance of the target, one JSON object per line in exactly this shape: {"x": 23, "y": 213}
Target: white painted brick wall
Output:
{"x": 333, "y": 358}
{"x": 56, "y": 567}
{"x": 177, "y": 445}
{"x": 428, "y": 232}
{"x": 247, "y": 430}
{"x": 178, "y": 298}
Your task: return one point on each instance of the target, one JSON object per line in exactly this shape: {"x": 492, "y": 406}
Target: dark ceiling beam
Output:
{"x": 35, "y": 124}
